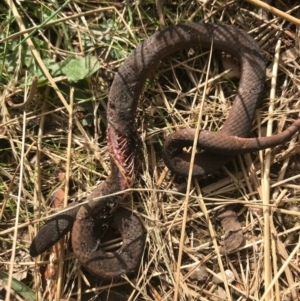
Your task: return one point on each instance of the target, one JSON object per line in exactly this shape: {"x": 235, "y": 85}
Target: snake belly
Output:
{"x": 91, "y": 219}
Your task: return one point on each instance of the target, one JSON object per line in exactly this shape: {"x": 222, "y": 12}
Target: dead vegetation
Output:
{"x": 62, "y": 127}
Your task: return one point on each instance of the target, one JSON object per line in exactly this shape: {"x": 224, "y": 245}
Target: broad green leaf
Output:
{"x": 78, "y": 69}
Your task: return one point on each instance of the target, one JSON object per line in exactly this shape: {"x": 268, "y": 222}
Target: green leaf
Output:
{"x": 78, "y": 69}
{"x": 19, "y": 288}
{"x": 53, "y": 66}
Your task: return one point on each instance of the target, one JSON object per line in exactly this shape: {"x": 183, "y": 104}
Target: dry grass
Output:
{"x": 36, "y": 141}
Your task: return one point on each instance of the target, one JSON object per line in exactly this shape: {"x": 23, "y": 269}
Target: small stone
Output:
{"x": 199, "y": 273}
{"x": 229, "y": 275}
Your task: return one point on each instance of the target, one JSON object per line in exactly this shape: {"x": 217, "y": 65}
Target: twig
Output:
{"x": 275, "y": 11}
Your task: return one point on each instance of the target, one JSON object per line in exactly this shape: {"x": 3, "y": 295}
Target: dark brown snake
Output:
{"x": 90, "y": 220}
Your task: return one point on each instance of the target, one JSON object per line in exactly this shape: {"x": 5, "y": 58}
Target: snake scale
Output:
{"x": 91, "y": 219}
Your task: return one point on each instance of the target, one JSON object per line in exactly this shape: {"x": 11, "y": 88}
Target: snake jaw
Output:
{"x": 123, "y": 154}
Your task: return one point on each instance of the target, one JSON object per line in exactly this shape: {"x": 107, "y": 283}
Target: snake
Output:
{"x": 89, "y": 221}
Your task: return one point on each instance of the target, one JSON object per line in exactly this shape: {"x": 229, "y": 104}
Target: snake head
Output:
{"x": 53, "y": 230}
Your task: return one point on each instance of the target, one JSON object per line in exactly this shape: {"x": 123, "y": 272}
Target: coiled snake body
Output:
{"x": 88, "y": 221}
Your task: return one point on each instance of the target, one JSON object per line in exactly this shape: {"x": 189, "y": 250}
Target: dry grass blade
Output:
{"x": 36, "y": 54}
{"x": 275, "y": 11}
